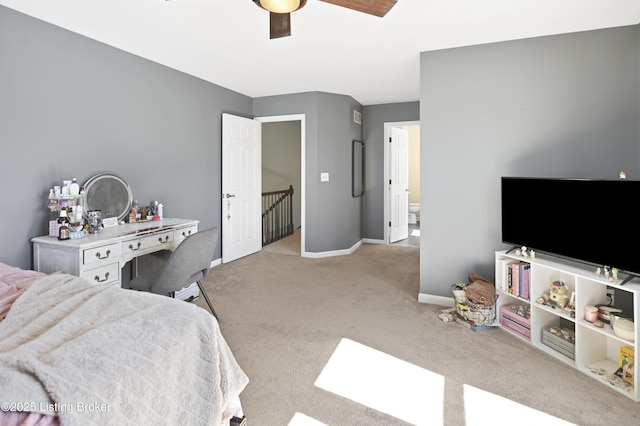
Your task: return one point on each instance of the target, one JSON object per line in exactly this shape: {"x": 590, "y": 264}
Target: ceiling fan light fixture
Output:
{"x": 280, "y": 6}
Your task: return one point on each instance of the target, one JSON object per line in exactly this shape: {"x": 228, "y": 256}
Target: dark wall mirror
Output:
{"x": 357, "y": 168}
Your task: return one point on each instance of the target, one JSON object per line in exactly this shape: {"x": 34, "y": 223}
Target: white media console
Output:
{"x": 595, "y": 350}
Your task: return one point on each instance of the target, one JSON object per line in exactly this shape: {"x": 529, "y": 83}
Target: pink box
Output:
{"x": 515, "y": 323}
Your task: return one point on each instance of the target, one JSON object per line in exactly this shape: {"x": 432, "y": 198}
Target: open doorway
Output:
{"x": 283, "y": 153}
{"x": 402, "y": 218}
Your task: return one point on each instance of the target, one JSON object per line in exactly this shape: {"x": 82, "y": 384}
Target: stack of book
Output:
{"x": 515, "y": 278}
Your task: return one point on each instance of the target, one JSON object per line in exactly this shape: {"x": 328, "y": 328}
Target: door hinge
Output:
{"x": 389, "y": 139}
{"x": 389, "y": 224}
{"x": 389, "y": 181}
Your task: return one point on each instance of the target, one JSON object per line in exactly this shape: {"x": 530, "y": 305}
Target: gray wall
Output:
{"x": 562, "y": 106}
{"x": 333, "y": 216}
{"x": 374, "y": 117}
{"x": 71, "y": 107}
{"x": 281, "y": 161}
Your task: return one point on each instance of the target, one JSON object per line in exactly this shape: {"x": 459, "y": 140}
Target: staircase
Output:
{"x": 277, "y": 215}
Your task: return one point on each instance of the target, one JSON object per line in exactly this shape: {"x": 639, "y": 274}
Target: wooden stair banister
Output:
{"x": 277, "y": 215}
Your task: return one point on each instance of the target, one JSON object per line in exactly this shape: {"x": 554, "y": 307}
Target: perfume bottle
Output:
{"x": 63, "y": 225}
{"x": 74, "y": 188}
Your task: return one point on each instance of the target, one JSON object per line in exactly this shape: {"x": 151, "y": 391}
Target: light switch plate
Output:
{"x": 324, "y": 177}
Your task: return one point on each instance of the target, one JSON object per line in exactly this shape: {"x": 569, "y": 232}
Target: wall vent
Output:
{"x": 357, "y": 117}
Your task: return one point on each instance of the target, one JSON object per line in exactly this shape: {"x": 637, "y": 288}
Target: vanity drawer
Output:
{"x": 182, "y": 233}
{"x": 105, "y": 274}
{"x": 101, "y": 254}
{"x": 147, "y": 242}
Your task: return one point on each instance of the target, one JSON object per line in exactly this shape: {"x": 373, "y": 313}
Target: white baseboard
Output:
{"x": 436, "y": 300}
{"x": 216, "y": 262}
{"x": 321, "y": 254}
{"x": 372, "y": 241}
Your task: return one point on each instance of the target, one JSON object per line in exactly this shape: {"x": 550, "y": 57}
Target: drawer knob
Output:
{"x": 166, "y": 238}
{"x": 186, "y": 234}
{"x": 103, "y": 257}
{"x": 97, "y": 277}
{"x": 137, "y": 248}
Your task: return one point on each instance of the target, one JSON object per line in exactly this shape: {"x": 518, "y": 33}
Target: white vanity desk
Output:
{"x": 99, "y": 258}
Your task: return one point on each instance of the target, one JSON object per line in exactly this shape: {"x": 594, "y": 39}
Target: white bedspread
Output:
{"x": 102, "y": 355}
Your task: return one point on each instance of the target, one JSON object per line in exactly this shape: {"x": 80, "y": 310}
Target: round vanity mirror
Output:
{"x": 108, "y": 193}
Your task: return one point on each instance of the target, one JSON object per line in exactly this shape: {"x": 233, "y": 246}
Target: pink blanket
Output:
{"x": 183, "y": 368}
{"x": 13, "y": 282}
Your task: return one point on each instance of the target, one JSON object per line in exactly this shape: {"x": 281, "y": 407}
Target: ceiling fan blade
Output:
{"x": 372, "y": 7}
{"x": 279, "y": 25}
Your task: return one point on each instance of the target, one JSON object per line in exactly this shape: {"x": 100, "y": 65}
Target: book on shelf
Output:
{"x": 505, "y": 275}
{"x": 526, "y": 273}
{"x": 515, "y": 278}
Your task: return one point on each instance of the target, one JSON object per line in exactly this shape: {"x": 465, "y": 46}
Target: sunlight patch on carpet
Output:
{"x": 384, "y": 383}
{"x": 300, "y": 419}
{"x": 415, "y": 233}
{"x": 483, "y": 408}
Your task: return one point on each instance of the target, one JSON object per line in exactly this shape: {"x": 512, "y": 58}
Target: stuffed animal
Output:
{"x": 557, "y": 295}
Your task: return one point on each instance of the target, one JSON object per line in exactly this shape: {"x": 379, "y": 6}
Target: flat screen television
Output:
{"x": 594, "y": 221}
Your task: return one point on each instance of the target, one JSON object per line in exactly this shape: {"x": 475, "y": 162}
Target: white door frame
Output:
{"x": 301, "y": 119}
{"x": 387, "y": 198}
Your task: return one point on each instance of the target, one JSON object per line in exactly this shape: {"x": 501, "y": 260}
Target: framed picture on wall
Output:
{"x": 357, "y": 168}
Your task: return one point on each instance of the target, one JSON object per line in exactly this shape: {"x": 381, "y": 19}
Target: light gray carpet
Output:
{"x": 284, "y": 316}
{"x": 288, "y": 245}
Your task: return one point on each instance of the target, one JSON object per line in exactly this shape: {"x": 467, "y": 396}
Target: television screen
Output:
{"x": 588, "y": 220}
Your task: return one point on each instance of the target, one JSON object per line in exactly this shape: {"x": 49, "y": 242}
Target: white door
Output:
{"x": 399, "y": 184}
{"x": 241, "y": 187}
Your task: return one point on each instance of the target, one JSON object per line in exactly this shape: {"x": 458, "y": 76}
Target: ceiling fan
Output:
{"x": 280, "y": 11}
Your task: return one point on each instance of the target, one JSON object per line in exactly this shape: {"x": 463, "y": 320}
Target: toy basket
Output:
{"x": 477, "y": 313}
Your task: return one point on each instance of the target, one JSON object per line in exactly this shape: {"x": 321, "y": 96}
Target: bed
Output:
{"x": 76, "y": 353}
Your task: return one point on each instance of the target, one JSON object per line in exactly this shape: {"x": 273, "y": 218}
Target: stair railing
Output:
{"x": 277, "y": 215}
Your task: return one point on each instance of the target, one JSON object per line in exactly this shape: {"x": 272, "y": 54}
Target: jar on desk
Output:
{"x": 94, "y": 220}
{"x": 63, "y": 226}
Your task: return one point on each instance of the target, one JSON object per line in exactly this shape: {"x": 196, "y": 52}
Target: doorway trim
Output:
{"x": 387, "y": 198}
{"x": 301, "y": 118}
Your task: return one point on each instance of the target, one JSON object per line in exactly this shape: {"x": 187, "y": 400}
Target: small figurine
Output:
{"x": 532, "y": 254}
{"x": 614, "y": 275}
{"x": 598, "y": 271}
{"x": 623, "y": 175}
{"x": 523, "y": 249}
{"x": 607, "y": 272}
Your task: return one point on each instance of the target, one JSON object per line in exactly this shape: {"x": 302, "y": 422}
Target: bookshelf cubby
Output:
{"x": 595, "y": 350}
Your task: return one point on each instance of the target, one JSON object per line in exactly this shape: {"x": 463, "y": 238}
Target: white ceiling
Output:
{"x": 332, "y": 49}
